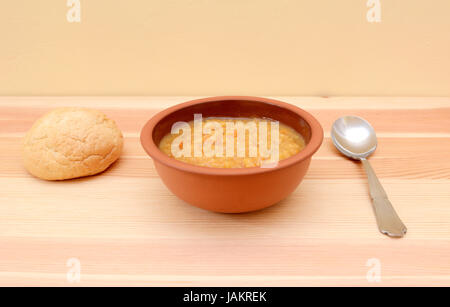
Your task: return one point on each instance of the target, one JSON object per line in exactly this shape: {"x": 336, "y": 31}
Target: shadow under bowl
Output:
{"x": 232, "y": 190}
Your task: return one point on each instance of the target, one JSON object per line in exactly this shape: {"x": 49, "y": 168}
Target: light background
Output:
{"x": 215, "y": 47}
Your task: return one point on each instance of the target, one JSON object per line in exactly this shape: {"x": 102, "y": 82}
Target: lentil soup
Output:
{"x": 290, "y": 142}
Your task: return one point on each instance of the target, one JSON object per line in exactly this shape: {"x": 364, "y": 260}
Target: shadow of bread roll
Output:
{"x": 71, "y": 142}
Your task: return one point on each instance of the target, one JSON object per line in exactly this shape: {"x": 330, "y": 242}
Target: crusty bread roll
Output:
{"x": 71, "y": 142}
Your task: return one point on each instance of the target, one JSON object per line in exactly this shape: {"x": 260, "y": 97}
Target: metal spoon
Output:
{"x": 355, "y": 138}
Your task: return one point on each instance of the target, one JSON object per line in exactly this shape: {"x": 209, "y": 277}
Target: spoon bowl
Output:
{"x": 354, "y": 137}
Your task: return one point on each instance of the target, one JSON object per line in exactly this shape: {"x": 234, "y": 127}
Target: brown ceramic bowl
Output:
{"x": 238, "y": 189}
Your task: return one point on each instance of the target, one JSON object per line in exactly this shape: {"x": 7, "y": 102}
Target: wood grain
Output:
{"x": 126, "y": 228}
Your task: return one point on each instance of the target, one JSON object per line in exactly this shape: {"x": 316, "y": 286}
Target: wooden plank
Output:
{"x": 88, "y": 208}
{"x": 160, "y": 102}
{"x": 394, "y": 158}
{"x": 47, "y": 279}
{"x": 19, "y": 120}
{"x": 393, "y": 148}
{"x": 226, "y": 262}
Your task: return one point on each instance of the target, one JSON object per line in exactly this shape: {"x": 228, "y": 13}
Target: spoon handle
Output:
{"x": 387, "y": 219}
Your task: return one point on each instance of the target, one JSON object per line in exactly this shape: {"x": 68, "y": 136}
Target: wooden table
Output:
{"x": 125, "y": 228}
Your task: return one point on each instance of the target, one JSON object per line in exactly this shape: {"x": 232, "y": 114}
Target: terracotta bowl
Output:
{"x": 238, "y": 189}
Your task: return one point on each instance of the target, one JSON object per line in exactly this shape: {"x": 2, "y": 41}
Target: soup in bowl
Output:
{"x": 232, "y": 154}
{"x": 232, "y": 142}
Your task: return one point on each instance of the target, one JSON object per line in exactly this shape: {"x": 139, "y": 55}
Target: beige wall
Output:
{"x": 212, "y": 47}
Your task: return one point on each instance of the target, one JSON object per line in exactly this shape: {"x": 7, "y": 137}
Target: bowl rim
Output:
{"x": 152, "y": 149}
